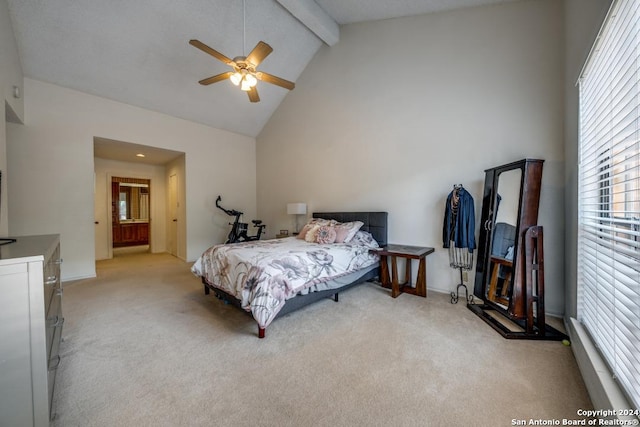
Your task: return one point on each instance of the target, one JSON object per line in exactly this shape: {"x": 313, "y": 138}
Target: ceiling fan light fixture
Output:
{"x": 251, "y": 79}
{"x": 236, "y": 78}
{"x": 245, "y": 85}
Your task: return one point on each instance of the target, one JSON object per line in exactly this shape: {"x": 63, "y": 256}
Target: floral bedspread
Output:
{"x": 264, "y": 274}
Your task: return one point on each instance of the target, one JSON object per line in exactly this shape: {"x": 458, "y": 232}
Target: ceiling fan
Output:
{"x": 244, "y": 72}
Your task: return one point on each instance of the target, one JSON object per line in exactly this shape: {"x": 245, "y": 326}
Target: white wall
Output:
{"x": 104, "y": 170}
{"x": 51, "y": 169}
{"x": 400, "y": 110}
{"x": 10, "y": 77}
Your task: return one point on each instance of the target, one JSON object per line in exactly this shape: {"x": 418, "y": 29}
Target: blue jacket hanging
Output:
{"x": 459, "y": 220}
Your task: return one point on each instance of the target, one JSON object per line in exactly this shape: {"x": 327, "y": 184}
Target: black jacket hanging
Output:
{"x": 459, "y": 220}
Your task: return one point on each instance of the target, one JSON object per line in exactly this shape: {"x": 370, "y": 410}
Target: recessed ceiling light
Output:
{"x": 139, "y": 155}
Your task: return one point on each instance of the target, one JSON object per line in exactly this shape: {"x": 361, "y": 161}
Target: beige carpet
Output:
{"x": 143, "y": 346}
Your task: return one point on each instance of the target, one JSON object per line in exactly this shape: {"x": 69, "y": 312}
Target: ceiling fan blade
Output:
{"x": 216, "y": 78}
{"x": 253, "y": 95}
{"x": 270, "y": 78}
{"x": 257, "y": 55}
{"x": 203, "y": 47}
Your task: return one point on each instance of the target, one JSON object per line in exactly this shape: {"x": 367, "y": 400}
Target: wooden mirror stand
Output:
{"x": 510, "y": 265}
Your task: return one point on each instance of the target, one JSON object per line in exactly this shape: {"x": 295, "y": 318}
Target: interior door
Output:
{"x": 173, "y": 215}
{"x": 101, "y": 223}
{"x": 100, "y": 232}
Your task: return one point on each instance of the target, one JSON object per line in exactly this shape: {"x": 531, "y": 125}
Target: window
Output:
{"x": 124, "y": 206}
{"x": 609, "y": 195}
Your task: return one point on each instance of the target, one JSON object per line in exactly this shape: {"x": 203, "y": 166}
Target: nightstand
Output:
{"x": 409, "y": 253}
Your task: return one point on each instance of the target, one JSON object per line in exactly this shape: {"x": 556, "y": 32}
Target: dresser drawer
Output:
{"x": 54, "y": 304}
{"x": 54, "y": 320}
{"x": 51, "y": 378}
{"x": 54, "y": 361}
{"x": 51, "y": 280}
{"x": 51, "y": 286}
{"x": 54, "y": 353}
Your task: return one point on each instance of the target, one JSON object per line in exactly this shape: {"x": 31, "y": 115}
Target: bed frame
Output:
{"x": 374, "y": 222}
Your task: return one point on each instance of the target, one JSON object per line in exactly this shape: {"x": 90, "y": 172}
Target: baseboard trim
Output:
{"x": 64, "y": 280}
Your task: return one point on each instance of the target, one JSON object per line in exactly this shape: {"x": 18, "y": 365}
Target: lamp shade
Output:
{"x": 296, "y": 208}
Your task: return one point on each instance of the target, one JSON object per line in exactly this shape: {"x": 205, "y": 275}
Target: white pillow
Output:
{"x": 346, "y": 230}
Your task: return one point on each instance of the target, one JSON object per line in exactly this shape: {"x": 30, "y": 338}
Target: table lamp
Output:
{"x": 297, "y": 209}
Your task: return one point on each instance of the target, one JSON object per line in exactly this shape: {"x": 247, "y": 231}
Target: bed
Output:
{"x": 270, "y": 278}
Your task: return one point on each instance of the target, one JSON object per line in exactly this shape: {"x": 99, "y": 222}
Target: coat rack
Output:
{"x": 460, "y": 249}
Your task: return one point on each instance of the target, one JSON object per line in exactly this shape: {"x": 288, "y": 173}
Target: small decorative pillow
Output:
{"x": 314, "y": 221}
{"x": 310, "y": 236}
{"x": 326, "y": 234}
{"x": 346, "y": 230}
{"x": 302, "y": 234}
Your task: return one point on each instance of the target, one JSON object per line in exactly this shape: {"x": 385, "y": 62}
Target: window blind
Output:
{"x": 609, "y": 196}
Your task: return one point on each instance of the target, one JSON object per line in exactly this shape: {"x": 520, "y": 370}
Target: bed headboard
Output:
{"x": 374, "y": 222}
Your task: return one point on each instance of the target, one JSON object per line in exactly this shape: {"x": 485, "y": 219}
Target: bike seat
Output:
{"x": 256, "y": 222}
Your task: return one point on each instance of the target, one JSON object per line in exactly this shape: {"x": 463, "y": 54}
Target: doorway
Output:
{"x": 130, "y": 215}
{"x": 161, "y": 168}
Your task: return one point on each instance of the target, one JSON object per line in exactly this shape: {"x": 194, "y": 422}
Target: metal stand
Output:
{"x": 455, "y": 295}
{"x": 462, "y": 259}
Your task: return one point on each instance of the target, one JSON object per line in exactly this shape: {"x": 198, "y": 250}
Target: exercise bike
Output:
{"x": 238, "y": 231}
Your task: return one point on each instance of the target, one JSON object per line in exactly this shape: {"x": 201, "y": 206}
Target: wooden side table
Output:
{"x": 409, "y": 253}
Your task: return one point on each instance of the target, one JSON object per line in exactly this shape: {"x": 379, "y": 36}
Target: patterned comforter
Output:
{"x": 264, "y": 274}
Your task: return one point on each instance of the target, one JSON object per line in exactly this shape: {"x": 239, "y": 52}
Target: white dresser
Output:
{"x": 30, "y": 329}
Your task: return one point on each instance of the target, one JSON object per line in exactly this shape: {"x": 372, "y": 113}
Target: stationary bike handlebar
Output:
{"x": 238, "y": 231}
{"x": 230, "y": 212}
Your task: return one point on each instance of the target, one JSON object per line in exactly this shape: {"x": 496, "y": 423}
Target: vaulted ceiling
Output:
{"x": 137, "y": 52}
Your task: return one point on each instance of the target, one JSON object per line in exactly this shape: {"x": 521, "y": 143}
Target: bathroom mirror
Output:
{"x": 133, "y": 201}
{"x": 130, "y": 200}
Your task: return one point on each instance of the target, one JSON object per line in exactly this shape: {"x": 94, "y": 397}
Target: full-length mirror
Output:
{"x": 509, "y": 266}
{"x": 502, "y": 243}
